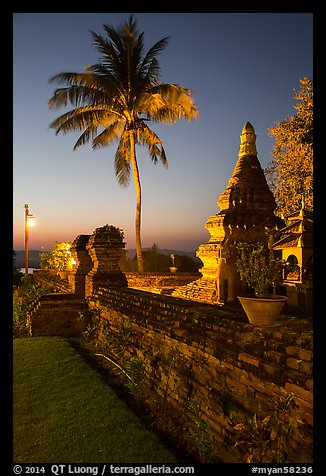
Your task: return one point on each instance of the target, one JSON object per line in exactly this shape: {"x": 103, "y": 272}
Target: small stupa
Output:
{"x": 246, "y": 210}
{"x": 296, "y": 245}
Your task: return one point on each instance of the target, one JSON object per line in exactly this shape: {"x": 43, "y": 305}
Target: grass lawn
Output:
{"x": 65, "y": 413}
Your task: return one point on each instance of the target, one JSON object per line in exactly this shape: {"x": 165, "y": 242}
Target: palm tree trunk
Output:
{"x": 138, "y": 203}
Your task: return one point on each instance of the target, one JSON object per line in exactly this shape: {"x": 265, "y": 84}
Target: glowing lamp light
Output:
{"x": 73, "y": 262}
{"x": 29, "y": 222}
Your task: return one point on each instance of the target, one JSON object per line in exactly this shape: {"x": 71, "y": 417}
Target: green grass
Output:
{"x": 65, "y": 413}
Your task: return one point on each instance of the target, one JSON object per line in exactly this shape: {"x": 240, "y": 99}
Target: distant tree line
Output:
{"x": 157, "y": 262}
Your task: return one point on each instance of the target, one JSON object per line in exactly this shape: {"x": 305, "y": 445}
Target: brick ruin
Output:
{"x": 105, "y": 247}
{"x": 82, "y": 265}
{"x": 246, "y": 210}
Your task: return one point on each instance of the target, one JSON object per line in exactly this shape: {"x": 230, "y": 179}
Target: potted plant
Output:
{"x": 261, "y": 270}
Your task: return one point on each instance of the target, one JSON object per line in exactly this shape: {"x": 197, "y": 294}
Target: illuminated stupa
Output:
{"x": 246, "y": 210}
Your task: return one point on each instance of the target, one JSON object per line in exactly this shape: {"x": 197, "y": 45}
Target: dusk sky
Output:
{"x": 240, "y": 66}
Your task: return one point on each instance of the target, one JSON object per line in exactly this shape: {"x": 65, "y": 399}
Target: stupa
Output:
{"x": 246, "y": 210}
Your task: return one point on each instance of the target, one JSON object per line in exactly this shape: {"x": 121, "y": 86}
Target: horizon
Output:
{"x": 127, "y": 249}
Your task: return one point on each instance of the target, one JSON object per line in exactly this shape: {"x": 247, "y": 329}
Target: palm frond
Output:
{"x": 80, "y": 118}
{"x": 122, "y": 160}
{"x": 149, "y": 103}
{"x": 65, "y": 78}
{"x": 110, "y": 56}
{"x": 75, "y": 95}
{"x": 150, "y": 66}
{"x": 93, "y": 88}
{"x": 111, "y": 134}
{"x": 178, "y": 103}
{"x": 88, "y": 135}
{"x": 148, "y": 138}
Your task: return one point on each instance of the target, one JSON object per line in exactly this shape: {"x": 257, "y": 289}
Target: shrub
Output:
{"x": 23, "y": 295}
{"x": 59, "y": 258}
{"x": 258, "y": 267}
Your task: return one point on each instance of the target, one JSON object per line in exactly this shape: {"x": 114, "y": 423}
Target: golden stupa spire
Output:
{"x": 247, "y": 141}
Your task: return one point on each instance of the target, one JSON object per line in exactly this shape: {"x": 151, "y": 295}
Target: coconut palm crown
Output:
{"x": 116, "y": 98}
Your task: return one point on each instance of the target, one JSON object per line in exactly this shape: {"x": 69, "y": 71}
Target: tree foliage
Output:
{"x": 59, "y": 258}
{"x": 23, "y": 295}
{"x": 290, "y": 174}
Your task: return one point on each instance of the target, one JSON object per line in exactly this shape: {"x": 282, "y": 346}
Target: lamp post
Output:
{"x": 28, "y": 222}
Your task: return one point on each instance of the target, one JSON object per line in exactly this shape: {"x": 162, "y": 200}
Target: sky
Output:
{"x": 240, "y": 67}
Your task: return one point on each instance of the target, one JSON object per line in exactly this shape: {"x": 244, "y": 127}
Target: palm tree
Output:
{"x": 115, "y": 99}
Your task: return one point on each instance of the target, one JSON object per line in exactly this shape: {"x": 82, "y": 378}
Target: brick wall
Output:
{"x": 207, "y": 369}
{"x": 56, "y": 314}
{"x": 161, "y": 283}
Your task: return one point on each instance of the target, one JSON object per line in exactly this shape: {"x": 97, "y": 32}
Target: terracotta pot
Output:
{"x": 262, "y": 311}
{"x": 173, "y": 269}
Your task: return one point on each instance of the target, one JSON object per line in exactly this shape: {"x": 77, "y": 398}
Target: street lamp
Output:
{"x": 29, "y": 221}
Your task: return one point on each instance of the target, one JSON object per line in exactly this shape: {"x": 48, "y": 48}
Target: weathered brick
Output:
{"x": 306, "y": 367}
{"x": 270, "y": 368}
{"x": 235, "y": 384}
{"x": 309, "y": 384}
{"x": 277, "y": 357}
{"x": 249, "y": 359}
{"x": 227, "y": 365}
{"x": 293, "y": 363}
{"x": 307, "y": 418}
{"x": 292, "y": 350}
{"x": 299, "y": 391}
{"x": 304, "y": 354}
{"x": 239, "y": 373}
